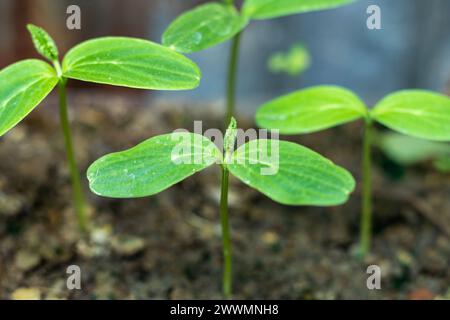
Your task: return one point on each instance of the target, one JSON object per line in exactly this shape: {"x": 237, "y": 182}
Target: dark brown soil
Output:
{"x": 169, "y": 246}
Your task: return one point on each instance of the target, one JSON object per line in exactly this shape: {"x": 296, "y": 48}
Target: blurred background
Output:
{"x": 411, "y": 50}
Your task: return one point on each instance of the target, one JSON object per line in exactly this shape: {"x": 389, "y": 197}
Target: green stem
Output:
{"x": 78, "y": 196}
{"x": 366, "y": 218}
{"x": 226, "y": 241}
{"x": 231, "y": 82}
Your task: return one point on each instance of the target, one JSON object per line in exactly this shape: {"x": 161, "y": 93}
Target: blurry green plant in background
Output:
{"x": 292, "y": 63}
{"x": 408, "y": 151}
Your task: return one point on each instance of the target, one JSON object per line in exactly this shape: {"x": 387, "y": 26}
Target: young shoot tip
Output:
{"x": 43, "y": 43}
{"x": 230, "y": 138}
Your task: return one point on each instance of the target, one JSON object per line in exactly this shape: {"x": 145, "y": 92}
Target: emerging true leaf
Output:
{"x": 407, "y": 150}
{"x": 267, "y": 9}
{"x": 23, "y": 86}
{"x": 293, "y": 175}
{"x": 311, "y": 110}
{"x": 230, "y": 139}
{"x": 131, "y": 63}
{"x": 418, "y": 113}
{"x": 152, "y": 166}
{"x": 203, "y": 27}
{"x": 43, "y": 43}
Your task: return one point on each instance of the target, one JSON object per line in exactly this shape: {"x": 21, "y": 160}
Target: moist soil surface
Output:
{"x": 168, "y": 246}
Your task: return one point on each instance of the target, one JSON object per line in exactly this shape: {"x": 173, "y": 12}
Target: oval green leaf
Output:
{"x": 418, "y": 113}
{"x": 299, "y": 176}
{"x": 203, "y": 27}
{"x": 267, "y": 9}
{"x": 23, "y": 86}
{"x": 130, "y": 62}
{"x": 311, "y": 110}
{"x": 152, "y": 166}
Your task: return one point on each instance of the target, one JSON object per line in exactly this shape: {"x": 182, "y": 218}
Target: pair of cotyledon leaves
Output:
{"x": 418, "y": 113}
{"x": 286, "y": 172}
{"x": 213, "y": 23}
{"x": 116, "y": 61}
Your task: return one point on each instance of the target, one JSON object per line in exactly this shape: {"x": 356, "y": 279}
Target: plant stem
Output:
{"x": 78, "y": 196}
{"x": 366, "y": 218}
{"x": 226, "y": 241}
{"x": 231, "y": 82}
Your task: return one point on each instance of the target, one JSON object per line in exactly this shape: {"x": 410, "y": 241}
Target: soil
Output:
{"x": 169, "y": 246}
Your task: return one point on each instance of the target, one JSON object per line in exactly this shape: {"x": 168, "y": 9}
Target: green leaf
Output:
{"x": 298, "y": 176}
{"x": 267, "y": 9}
{"x": 311, "y": 110}
{"x": 203, "y": 27}
{"x": 407, "y": 150}
{"x": 131, "y": 63}
{"x": 152, "y": 166}
{"x": 23, "y": 86}
{"x": 43, "y": 43}
{"x": 418, "y": 113}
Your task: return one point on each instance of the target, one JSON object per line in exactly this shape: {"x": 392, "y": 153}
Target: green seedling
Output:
{"x": 115, "y": 61}
{"x": 293, "y": 62}
{"x": 302, "y": 177}
{"x": 210, "y": 24}
{"x": 417, "y": 113}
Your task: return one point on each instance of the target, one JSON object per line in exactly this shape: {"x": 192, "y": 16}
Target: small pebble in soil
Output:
{"x": 421, "y": 294}
{"x": 126, "y": 245}
{"x": 26, "y": 294}
{"x": 26, "y": 260}
{"x": 270, "y": 238}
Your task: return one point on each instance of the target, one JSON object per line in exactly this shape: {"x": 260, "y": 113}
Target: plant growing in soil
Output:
{"x": 115, "y": 61}
{"x": 417, "y": 113}
{"x": 302, "y": 177}
{"x": 210, "y": 24}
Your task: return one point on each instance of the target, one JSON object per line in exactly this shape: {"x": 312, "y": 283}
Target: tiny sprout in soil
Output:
{"x": 417, "y": 113}
{"x": 118, "y": 61}
{"x": 213, "y": 23}
{"x": 303, "y": 177}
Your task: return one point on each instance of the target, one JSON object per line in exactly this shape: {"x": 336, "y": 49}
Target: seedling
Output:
{"x": 115, "y": 61}
{"x": 210, "y": 24}
{"x": 293, "y": 62}
{"x": 418, "y": 113}
{"x": 303, "y": 177}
